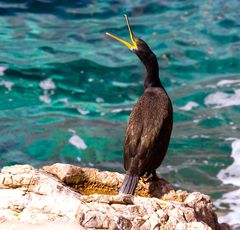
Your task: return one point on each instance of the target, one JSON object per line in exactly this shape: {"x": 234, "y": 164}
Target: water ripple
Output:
{"x": 59, "y": 72}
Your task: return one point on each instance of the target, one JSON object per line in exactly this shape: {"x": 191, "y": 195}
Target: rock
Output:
{"x": 66, "y": 196}
{"x": 90, "y": 180}
{"x": 16, "y": 225}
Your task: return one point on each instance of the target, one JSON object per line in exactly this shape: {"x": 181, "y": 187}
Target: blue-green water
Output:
{"x": 67, "y": 90}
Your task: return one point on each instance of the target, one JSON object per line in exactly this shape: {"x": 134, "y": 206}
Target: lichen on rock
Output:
{"x": 87, "y": 198}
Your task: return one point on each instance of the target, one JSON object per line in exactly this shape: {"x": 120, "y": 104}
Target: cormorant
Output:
{"x": 150, "y": 124}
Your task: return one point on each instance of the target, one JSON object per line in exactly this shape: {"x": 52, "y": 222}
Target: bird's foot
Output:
{"x": 154, "y": 176}
{"x": 145, "y": 179}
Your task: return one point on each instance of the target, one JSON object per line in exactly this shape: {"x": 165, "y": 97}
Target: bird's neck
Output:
{"x": 152, "y": 78}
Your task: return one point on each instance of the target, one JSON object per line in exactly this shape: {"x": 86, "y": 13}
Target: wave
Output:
{"x": 221, "y": 99}
{"x": 231, "y": 175}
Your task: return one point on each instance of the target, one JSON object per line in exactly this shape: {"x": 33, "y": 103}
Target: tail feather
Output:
{"x": 129, "y": 184}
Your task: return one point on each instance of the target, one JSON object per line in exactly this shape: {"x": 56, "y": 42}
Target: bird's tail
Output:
{"x": 129, "y": 184}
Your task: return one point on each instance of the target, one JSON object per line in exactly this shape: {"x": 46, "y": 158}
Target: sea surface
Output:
{"x": 67, "y": 89}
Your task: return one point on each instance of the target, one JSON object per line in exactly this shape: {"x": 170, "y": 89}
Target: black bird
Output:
{"x": 150, "y": 123}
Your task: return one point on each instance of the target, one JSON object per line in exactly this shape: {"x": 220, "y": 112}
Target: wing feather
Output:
{"x": 144, "y": 127}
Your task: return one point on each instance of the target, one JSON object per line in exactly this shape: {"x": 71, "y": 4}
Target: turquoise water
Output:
{"x": 67, "y": 89}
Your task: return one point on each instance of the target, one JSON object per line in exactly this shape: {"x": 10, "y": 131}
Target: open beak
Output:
{"x": 130, "y": 46}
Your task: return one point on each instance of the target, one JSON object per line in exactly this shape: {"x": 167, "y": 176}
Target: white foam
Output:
{"x": 64, "y": 100}
{"x": 2, "y": 70}
{"x": 231, "y": 175}
{"x": 189, "y": 106}
{"x": 221, "y": 100}
{"x": 45, "y": 98}
{"x": 120, "y": 110}
{"x": 77, "y": 142}
{"x": 99, "y": 99}
{"x": 123, "y": 84}
{"x": 200, "y": 136}
{"x": 230, "y": 139}
{"x": 72, "y": 131}
{"x": 47, "y": 84}
{"x": 231, "y": 199}
{"x": 90, "y": 164}
{"x": 83, "y": 112}
{"x": 7, "y": 84}
{"x": 196, "y": 121}
{"x": 90, "y": 79}
{"x": 227, "y": 82}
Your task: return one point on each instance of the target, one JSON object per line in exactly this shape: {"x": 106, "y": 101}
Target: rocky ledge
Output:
{"x": 67, "y": 196}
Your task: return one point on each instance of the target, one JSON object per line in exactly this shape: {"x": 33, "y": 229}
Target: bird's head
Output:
{"x": 138, "y": 46}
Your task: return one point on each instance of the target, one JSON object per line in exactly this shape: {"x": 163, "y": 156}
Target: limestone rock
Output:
{"x": 82, "y": 198}
{"x": 90, "y": 180}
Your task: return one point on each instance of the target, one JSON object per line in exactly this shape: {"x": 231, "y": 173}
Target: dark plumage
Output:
{"x": 150, "y": 123}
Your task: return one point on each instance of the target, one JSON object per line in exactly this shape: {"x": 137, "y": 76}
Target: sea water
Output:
{"x": 67, "y": 89}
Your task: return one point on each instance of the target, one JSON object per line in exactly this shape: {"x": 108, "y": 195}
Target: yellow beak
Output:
{"x": 130, "y": 46}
